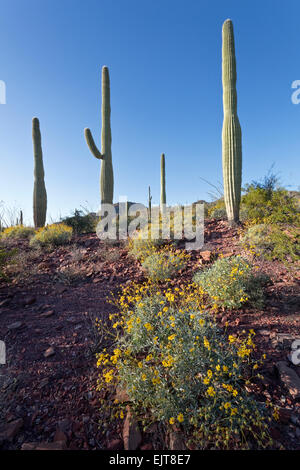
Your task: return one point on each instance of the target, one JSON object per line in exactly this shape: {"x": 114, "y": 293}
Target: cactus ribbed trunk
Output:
{"x": 106, "y": 177}
{"x": 231, "y": 133}
{"x": 162, "y": 182}
{"x": 39, "y": 189}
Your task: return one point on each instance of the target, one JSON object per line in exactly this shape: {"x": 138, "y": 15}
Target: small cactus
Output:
{"x": 231, "y": 133}
{"x": 162, "y": 182}
{"x": 39, "y": 189}
{"x": 149, "y": 204}
{"x": 106, "y": 177}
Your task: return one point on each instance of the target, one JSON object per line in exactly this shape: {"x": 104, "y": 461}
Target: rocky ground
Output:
{"x": 47, "y": 312}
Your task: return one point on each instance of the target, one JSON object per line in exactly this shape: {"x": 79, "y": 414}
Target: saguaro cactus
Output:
{"x": 162, "y": 182}
{"x": 107, "y": 176}
{"x": 231, "y": 133}
{"x": 39, "y": 189}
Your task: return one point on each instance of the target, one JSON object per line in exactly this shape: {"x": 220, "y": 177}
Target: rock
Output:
{"x": 121, "y": 395}
{"x": 59, "y": 445}
{"x": 176, "y": 441}
{"x": 48, "y": 313}
{"x": 28, "y": 301}
{"x": 206, "y": 255}
{"x": 11, "y": 429}
{"x": 60, "y": 289}
{"x": 284, "y": 415}
{"x": 4, "y": 302}
{"x": 15, "y": 325}
{"x": 131, "y": 433}
{"x": 264, "y": 332}
{"x": 115, "y": 444}
{"x": 49, "y": 352}
{"x": 59, "y": 436}
{"x": 289, "y": 378}
{"x": 147, "y": 446}
{"x": 65, "y": 425}
{"x": 29, "y": 445}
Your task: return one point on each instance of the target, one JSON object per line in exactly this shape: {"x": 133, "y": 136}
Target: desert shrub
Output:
{"x": 142, "y": 245}
{"x": 164, "y": 264}
{"x": 178, "y": 368}
{"x": 80, "y": 222}
{"x": 17, "y": 231}
{"x": 272, "y": 242}
{"x": 264, "y": 205}
{"x": 5, "y": 257}
{"x": 52, "y": 235}
{"x": 230, "y": 282}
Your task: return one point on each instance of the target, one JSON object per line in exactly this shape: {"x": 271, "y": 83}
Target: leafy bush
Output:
{"x": 178, "y": 368}
{"x": 18, "y": 231}
{"x": 230, "y": 283}
{"x": 55, "y": 234}
{"x": 162, "y": 265}
{"x": 80, "y": 222}
{"x": 266, "y": 206}
{"x": 272, "y": 242}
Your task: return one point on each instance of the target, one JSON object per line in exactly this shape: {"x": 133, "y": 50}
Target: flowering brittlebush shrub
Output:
{"x": 55, "y": 234}
{"x": 178, "y": 368}
{"x": 18, "y": 231}
{"x": 230, "y": 282}
{"x": 272, "y": 242}
{"x": 164, "y": 264}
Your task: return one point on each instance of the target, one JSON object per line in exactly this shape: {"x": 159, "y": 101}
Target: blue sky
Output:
{"x": 164, "y": 58}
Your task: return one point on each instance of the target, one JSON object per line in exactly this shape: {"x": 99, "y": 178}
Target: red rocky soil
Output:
{"x": 47, "y": 386}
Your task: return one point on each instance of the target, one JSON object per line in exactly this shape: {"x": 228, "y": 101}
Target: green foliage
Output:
{"x": 230, "y": 283}
{"x": 272, "y": 242}
{"x": 17, "y": 231}
{"x": 268, "y": 206}
{"x": 164, "y": 264}
{"x": 80, "y": 222}
{"x": 178, "y": 368}
{"x": 52, "y": 235}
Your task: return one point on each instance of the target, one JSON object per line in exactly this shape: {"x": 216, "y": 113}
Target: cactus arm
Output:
{"x": 91, "y": 144}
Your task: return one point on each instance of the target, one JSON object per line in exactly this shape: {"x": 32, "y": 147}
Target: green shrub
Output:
{"x": 272, "y": 242}
{"x": 17, "y": 231}
{"x": 52, "y": 235}
{"x": 230, "y": 282}
{"x": 81, "y": 223}
{"x": 266, "y": 206}
{"x": 163, "y": 265}
{"x": 178, "y": 368}
{"x": 5, "y": 256}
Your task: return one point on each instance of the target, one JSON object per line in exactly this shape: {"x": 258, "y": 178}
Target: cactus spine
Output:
{"x": 162, "y": 182}
{"x": 39, "y": 189}
{"x": 106, "y": 177}
{"x": 231, "y": 133}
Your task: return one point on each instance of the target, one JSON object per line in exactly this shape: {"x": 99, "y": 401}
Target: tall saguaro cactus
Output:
{"x": 39, "y": 189}
{"x": 162, "y": 181}
{"x": 107, "y": 176}
{"x": 231, "y": 133}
